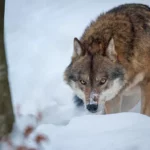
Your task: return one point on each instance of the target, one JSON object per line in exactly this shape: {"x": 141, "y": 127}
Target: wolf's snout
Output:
{"x": 92, "y": 107}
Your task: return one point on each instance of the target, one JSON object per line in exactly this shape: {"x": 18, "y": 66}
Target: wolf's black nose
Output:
{"x": 92, "y": 107}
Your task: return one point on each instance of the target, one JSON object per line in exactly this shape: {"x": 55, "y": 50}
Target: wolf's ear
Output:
{"x": 110, "y": 51}
{"x": 78, "y": 51}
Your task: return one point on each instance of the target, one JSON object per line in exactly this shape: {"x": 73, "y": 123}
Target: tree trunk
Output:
{"x": 6, "y": 109}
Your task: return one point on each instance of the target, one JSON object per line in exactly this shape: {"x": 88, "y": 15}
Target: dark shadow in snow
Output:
{"x": 78, "y": 102}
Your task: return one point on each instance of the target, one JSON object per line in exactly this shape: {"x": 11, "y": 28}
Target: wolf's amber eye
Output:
{"x": 102, "y": 81}
{"x": 83, "y": 82}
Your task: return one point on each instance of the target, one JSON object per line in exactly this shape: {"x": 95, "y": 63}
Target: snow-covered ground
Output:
{"x": 39, "y": 38}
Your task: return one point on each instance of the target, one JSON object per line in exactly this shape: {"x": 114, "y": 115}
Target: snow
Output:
{"x": 120, "y": 131}
{"x": 124, "y": 131}
{"x": 39, "y": 42}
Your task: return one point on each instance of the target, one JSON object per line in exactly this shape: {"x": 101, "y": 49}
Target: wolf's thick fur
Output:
{"x": 112, "y": 58}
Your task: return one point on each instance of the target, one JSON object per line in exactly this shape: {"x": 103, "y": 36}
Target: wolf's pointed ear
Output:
{"x": 78, "y": 51}
{"x": 111, "y": 52}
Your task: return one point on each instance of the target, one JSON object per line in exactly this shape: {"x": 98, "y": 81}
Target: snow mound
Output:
{"x": 124, "y": 131}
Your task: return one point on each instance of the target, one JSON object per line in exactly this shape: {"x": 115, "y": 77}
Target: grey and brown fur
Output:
{"x": 114, "y": 48}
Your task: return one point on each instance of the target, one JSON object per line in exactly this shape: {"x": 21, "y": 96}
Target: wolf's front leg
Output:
{"x": 145, "y": 103}
{"x": 113, "y": 106}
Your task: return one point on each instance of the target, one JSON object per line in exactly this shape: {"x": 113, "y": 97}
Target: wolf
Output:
{"x": 111, "y": 59}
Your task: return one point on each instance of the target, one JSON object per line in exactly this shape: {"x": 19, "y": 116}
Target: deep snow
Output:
{"x": 116, "y": 132}
{"x": 39, "y": 38}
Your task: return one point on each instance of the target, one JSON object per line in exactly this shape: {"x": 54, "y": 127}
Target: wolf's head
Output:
{"x": 93, "y": 77}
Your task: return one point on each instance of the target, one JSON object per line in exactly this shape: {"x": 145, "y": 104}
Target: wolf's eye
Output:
{"x": 83, "y": 82}
{"x": 102, "y": 81}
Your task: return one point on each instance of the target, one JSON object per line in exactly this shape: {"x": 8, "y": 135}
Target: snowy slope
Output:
{"x": 124, "y": 131}
{"x": 39, "y": 37}
{"x": 115, "y": 132}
